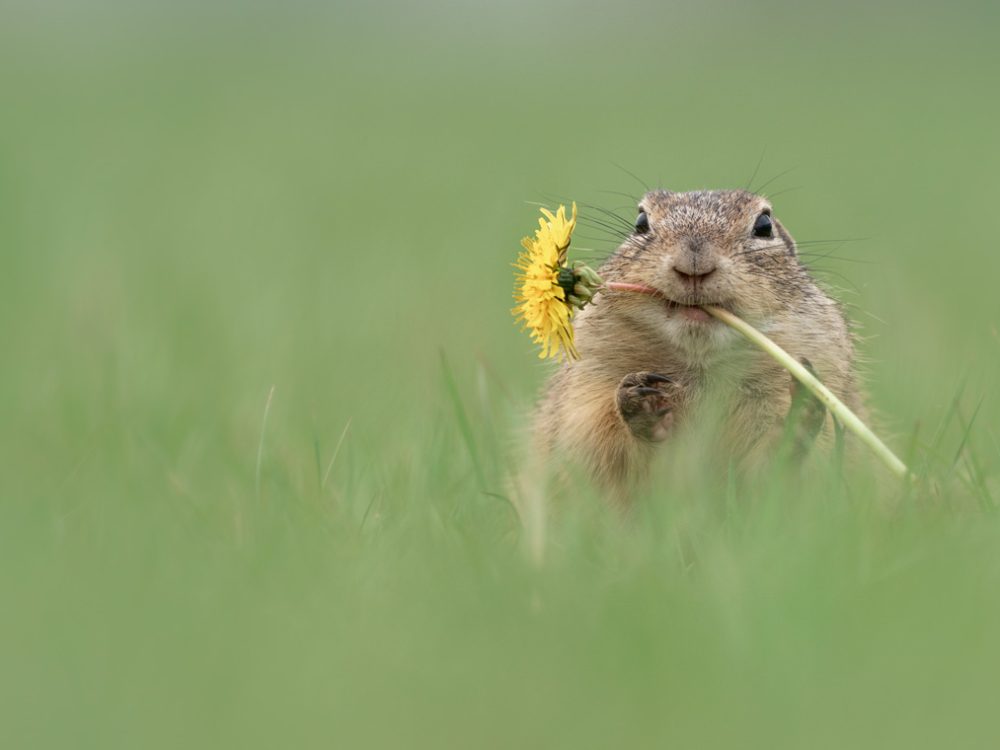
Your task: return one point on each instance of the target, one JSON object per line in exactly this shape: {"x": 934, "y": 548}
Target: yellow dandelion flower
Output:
{"x": 544, "y": 283}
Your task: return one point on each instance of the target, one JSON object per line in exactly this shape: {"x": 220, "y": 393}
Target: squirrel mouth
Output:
{"x": 693, "y": 313}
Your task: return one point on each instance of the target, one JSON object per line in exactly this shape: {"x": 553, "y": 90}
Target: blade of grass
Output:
{"x": 934, "y": 447}
{"x": 464, "y": 426}
{"x": 336, "y": 452}
{"x": 260, "y": 445}
{"x": 966, "y": 431}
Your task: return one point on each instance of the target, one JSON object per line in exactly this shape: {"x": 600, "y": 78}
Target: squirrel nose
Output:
{"x": 694, "y": 261}
{"x": 692, "y": 273}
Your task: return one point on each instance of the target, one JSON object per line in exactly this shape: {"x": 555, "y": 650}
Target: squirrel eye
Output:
{"x": 642, "y": 223}
{"x": 763, "y": 227}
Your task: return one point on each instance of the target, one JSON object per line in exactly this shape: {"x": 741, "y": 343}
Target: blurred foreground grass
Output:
{"x": 198, "y": 204}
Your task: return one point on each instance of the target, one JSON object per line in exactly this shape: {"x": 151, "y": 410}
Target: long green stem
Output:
{"x": 837, "y": 407}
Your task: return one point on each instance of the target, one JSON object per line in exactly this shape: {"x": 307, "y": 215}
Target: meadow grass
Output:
{"x": 262, "y": 395}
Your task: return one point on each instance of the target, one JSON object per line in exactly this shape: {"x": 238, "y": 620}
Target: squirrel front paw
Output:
{"x": 646, "y": 402}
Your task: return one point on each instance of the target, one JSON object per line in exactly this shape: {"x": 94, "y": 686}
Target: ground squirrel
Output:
{"x": 649, "y": 366}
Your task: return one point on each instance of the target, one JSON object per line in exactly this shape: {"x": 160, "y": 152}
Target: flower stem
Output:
{"x": 837, "y": 407}
{"x": 621, "y": 286}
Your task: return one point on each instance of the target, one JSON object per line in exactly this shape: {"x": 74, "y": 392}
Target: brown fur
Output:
{"x": 717, "y": 375}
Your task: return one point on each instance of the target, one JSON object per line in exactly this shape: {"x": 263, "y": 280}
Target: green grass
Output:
{"x": 261, "y": 395}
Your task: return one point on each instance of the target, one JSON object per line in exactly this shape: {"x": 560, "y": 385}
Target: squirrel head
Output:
{"x": 719, "y": 247}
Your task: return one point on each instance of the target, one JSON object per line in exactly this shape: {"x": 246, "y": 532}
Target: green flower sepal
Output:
{"x": 579, "y": 284}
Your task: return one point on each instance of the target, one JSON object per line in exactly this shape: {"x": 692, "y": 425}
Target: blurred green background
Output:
{"x": 202, "y": 202}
